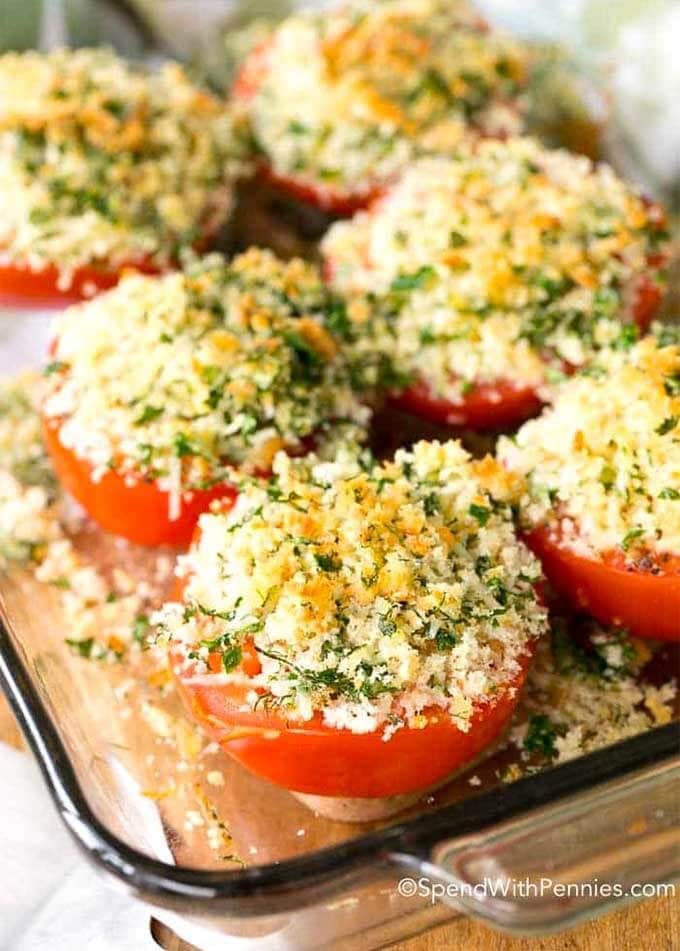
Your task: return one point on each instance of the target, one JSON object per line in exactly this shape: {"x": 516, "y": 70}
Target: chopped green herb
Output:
{"x": 457, "y": 240}
{"x": 297, "y": 128}
{"x": 480, "y": 512}
{"x": 541, "y": 736}
{"x": 409, "y": 282}
{"x": 431, "y": 504}
{"x": 328, "y": 563}
{"x": 55, "y": 366}
{"x": 148, "y": 414}
{"x": 183, "y": 446}
{"x": 631, "y": 536}
{"x": 231, "y": 658}
{"x": 628, "y": 336}
{"x": 82, "y": 647}
{"x": 668, "y": 425}
{"x": 140, "y": 629}
{"x": 672, "y": 384}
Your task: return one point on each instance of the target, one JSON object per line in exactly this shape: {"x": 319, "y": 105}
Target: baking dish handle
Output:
{"x": 568, "y": 861}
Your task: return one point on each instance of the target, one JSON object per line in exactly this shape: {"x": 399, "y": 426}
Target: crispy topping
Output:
{"x": 348, "y": 98}
{"x": 499, "y": 262}
{"x": 374, "y": 595}
{"x": 604, "y": 460}
{"x": 103, "y": 163}
{"x": 182, "y": 377}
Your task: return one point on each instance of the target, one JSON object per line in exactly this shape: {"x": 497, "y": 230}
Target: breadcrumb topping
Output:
{"x": 603, "y": 462}
{"x": 373, "y": 595}
{"x": 101, "y": 162}
{"x": 586, "y": 688}
{"x": 182, "y": 377}
{"x": 349, "y": 97}
{"x": 504, "y": 262}
{"x": 585, "y": 693}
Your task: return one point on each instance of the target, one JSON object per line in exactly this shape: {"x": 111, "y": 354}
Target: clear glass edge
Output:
{"x": 413, "y": 844}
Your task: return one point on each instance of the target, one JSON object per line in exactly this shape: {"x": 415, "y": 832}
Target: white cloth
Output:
{"x": 50, "y": 899}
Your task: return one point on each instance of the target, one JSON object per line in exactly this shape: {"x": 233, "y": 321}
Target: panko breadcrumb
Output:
{"x": 370, "y": 594}
{"x": 505, "y": 262}
{"x": 104, "y": 163}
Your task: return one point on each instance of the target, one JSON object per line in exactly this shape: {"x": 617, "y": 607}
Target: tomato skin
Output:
{"x": 138, "y": 512}
{"x": 647, "y": 299}
{"x": 487, "y": 406}
{"x": 320, "y": 760}
{"x": 330, "y": 199}
{"x": 22, "y": 288}
{"x": 643, "y": 600}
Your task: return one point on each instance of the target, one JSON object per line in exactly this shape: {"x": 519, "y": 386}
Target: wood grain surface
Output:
{"x": 652, "y": 925}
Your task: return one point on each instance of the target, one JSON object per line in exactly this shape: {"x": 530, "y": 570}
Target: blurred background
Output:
{"x": 614, "y": 62}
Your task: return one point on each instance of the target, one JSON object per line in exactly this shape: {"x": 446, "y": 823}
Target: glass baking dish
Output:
{"x": 607, "y": 821}
{"x": 608, "y": 817}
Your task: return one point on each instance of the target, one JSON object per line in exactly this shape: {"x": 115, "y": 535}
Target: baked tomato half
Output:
{"x": 23, "y": 288}
{"x": 321, "y": 760}
{"x": 642, "y": 595}
{"x": 325, "y": 196}
{"x": 501, "y": 404}
{"x": 136, "y": 509}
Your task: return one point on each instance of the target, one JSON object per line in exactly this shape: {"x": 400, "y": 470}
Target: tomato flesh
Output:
{"x": 22, "y": 288}
{"x": 643, "y": 598}
{"x": 138, "y": 511}
{"x": 321, "y": 760}
{"x": 647, "y": 299}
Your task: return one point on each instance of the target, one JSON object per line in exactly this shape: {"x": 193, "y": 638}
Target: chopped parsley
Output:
{"x": 480, "y": 512}
{"x": 668, "y": 425}
{"x": 409, "y": 282}
{"x": 541, "y": 736}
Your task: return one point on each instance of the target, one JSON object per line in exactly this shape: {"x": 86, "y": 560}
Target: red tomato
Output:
{"x": 137, "y": 511}
{"x": 643, "y": 598}
{"x": 23, "y": 288}
{"x": 324, "y": 761}
{"x": 331, "y": 199}
{"x": 486, "y": 406}
{"x": 647, "y": 299}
